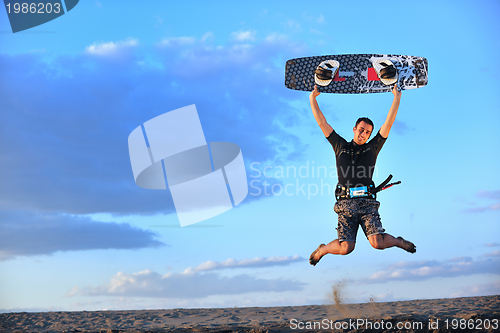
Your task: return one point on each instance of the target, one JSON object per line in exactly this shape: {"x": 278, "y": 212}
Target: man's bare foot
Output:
{"x": 407, "y": 246}
{"x": 315, "y": 257}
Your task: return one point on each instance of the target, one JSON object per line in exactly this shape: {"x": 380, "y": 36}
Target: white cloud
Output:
{"x": 487, "y": 195}
{"x": 293, "y": 25}
{"x": 494, "y": 254}
{"x": 481, "y": 209}
{"x": 245, "y": 263}
{"x": 208, "y": 36}
{"x": 184, "y": 285}
{"x": 479, "y": 290}
{"x": 383, "y": 297}
{"x": 195, "y": 282}
{"x": 241, "y": 36}
{"x": 276, "y": 38}
{"x": 111, "y": 48}
{"x": 424, "y": 270}
{"x": 178, "y": 41}
{"x": 72, "y": 292}
{"x": 314, "y": 19}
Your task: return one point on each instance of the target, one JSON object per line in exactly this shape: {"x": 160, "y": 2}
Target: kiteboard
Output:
{"x": 356, "y": 73}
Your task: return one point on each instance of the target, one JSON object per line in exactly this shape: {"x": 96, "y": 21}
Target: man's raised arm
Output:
{"x": 393, "y": 111}
{"x": 318, "y": 115}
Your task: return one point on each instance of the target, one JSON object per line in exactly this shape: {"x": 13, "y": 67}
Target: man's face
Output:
{"x": 362, "y": 132}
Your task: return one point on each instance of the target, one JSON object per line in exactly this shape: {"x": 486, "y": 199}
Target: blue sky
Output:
{"x": 76, "y": 233}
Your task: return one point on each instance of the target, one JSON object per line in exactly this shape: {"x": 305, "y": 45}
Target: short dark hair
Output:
{"x": 366, "y": 120}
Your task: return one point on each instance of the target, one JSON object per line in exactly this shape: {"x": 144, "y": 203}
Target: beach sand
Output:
{"x": 465, "y": 314}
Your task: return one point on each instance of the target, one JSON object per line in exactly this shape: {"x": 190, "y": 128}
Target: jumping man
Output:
{"x": 355, "y": 166}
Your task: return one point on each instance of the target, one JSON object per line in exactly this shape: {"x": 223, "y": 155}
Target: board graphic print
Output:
{"x": 356, "y": 73}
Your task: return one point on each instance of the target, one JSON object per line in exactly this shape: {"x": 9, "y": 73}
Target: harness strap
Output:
{"x": 354, "y": 192}
{"x": 381, "y": 186}
{"x": 391, "y": 185}
{"x": 345, "y": 193}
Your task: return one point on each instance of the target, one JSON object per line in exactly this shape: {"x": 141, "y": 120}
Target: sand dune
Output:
{"x": 440, "y": 315}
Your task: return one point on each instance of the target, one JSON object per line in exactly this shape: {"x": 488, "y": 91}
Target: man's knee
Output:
{"x": 346, "y": 247}
{"x": 377, "y": 241}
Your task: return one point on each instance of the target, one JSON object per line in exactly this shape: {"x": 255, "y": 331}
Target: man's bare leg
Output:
{"x": 334, "y": 247}
{"x": 385, "y": 241}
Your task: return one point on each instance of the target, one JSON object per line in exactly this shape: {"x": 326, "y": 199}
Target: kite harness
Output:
{"x": 363, "y": 191}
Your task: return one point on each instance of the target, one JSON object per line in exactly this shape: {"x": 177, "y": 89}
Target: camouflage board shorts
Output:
{"x": 355, "y": 212}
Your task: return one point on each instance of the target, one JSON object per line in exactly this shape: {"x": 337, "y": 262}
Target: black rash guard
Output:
{"x": 355, "y": 163}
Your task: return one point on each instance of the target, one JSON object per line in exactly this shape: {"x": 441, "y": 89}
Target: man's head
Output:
{"x": 362, "y": 130}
